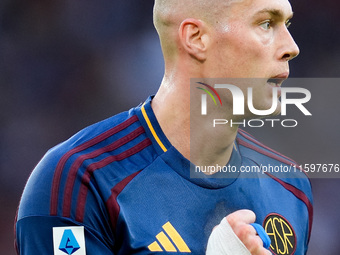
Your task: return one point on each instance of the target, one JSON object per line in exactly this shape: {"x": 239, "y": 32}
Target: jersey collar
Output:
{"x": 152, "y": 127}
{"x": 172, "y": 157}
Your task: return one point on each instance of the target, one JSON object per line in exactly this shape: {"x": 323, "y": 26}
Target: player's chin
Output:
{"x": 277, "y": 110}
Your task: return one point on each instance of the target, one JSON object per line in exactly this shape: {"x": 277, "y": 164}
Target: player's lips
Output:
{"x": 277, "y": 80}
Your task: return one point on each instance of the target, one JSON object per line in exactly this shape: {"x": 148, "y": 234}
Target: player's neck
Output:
{"x": 173, "y": 117}
{"x": 193, "y": 138}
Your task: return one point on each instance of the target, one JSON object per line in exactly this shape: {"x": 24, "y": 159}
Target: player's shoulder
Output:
{"x": 252, "y": 148}
{"x": 276, "y": 165}
{"x": 91, "y": 138}
{"x": 103, "y": 148}
{"x": 116, "y": 127}
{"x": 97, "y": 135}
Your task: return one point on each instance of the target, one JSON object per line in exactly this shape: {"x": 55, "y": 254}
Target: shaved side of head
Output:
{"x": 169, "y": 14}
{"x": 171, "y": 11}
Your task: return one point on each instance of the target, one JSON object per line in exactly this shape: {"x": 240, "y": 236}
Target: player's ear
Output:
{"x": 193, "y": 38}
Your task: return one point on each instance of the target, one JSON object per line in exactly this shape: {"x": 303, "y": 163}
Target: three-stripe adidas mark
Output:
{"x": 173, "y": 244}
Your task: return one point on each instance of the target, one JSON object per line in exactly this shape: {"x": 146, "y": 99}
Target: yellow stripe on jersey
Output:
{"x": 165, "y": 242}
{"x": 175, "y": 237}
{"x": 163, "y": 239}
{"x": 235, "y": 146}
{"x": 154, "y": 247}
{"x": 152, "y": 129}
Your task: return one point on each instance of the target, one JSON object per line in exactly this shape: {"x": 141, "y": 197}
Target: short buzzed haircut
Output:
{"x": 169, "y": 13}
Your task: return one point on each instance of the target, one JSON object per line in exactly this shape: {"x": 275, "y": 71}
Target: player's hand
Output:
{"x": 235, "y": 236}
{"x": 240, "y": 223}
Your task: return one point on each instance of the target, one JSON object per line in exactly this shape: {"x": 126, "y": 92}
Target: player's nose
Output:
{"x": 289, "y": 49}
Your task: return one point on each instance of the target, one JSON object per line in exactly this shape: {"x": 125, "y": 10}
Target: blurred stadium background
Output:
{"x": 66, "y": 64}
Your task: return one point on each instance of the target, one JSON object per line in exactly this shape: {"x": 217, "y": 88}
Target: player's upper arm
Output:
{"x": 38, "y": 231}
{"x": 58, "y": 236}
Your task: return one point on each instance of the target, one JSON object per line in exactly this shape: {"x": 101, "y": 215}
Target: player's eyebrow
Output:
{"x": 276, "y": 13}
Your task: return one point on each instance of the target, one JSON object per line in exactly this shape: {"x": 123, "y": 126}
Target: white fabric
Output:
{"x": 223, "y": 241}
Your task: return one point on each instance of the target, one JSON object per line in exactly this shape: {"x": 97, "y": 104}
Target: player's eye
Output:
{"x": 288, "y": 23}
{"x": 266, "y": 25}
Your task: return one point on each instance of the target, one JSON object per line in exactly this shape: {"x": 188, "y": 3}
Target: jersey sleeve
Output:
{"x": 57, "y": 235}
{"x": 38, "y": 231}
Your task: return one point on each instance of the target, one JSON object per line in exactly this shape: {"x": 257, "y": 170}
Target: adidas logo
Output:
{"x": 170, "y": 240}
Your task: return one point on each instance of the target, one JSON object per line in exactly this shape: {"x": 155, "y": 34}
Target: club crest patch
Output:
{"x": 281, "y": 234}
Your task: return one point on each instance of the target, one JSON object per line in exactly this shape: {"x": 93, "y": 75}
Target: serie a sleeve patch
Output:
{"x": 69, "y": 240}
